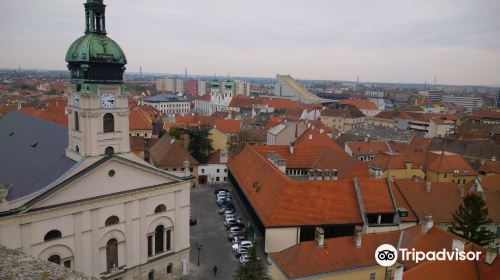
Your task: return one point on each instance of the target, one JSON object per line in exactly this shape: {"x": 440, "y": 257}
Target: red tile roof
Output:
{"x": 359, "y": 103}
{"x": 318, "y": 157}
{"x": 337, "y": 255}
{"x": 168, "y": 152}
{"x": 387, "y": 161}
{"x": 214, "y": 158}
{"x": 442, "y": 200}
{"x": 227, "y": 126}
{"x": 441, "y": 162}
{"x": 340, "y": 254}
{"x": 368, "y": 147}
{"x": 281, "y": 201}
{"x": 490, "y": 166}
{"x": 317, "y": 136}
{"x": 140, "y": 120}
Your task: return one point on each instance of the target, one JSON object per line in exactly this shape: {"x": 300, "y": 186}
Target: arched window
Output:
{"x": 77, "y": 122}
{"x": 108, "y": 122}
{"x": 112, "y": 254}
{"x": 77, "y": 149}
{"x": 113, "y": 220}
{"x": 159, "y": 239}
{"x": 55, "y": 259}
{"x": 109, "y": 151}
{"x": 151, "y": 275}
{"x": 160, "y": 208}
{"x": 51, "y": 235}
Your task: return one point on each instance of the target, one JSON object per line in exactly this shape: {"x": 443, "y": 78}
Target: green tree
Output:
{"x": 254, "y": 269}
{"x": 200, "y": 146}
{"x": 176, "y": 132}
{"x": 469, "y": 219}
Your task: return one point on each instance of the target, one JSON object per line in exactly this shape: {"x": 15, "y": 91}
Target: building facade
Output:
{"x": 169, "y": 104}
{"x": 88, "y": 202}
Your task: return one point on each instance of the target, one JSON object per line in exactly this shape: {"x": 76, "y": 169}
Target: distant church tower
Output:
{"x": 97, "y": 99}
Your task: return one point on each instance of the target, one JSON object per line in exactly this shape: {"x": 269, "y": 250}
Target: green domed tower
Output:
{"x": 97, "y": 98}
{"x": 94, "y": 58}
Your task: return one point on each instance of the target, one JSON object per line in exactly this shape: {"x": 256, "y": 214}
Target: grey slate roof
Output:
{"x": 32, "y": 153}
{"x": 165, "y": 97}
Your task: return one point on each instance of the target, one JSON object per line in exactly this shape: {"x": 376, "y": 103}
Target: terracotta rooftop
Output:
{"x": 388, "y": 161}
{"x": 347, "y": 112}
{"x": 168, "y": 152}
{"x": 360, "y": 104}
{"x": 442, "y": 200}
{"x": 227, "y": 126}
{"x": 318, "y": 157}
{"x": 441, "y": 161}
{"x": 490, "y": 166}
{"x": 279, "y": 200}
{"x": 140, "y": 120}
{"x": 340, "y": 254}
{"x": 368, "y": 147}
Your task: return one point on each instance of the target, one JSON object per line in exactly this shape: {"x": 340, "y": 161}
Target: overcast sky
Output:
{"x": 457, "y": 41}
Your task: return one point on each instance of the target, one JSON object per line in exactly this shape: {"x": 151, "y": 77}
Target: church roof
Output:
{"x": 33, "y": 153}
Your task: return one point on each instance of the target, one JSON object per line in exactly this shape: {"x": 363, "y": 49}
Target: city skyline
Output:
{"x": 407, "y": 42}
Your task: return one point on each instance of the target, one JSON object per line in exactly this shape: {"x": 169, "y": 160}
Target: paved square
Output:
{"x": 211, "y": 233}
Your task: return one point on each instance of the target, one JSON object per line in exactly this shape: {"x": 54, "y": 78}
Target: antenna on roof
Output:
{"x": 140, "y": 71}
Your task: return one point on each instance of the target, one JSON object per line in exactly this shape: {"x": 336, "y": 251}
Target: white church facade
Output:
{"x": 78, "y": 196}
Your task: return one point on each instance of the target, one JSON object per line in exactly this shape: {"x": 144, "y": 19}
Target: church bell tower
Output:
{"x": 97, "y": 98}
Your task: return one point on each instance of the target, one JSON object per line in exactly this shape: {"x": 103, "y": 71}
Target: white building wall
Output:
{"x": 212, "y": 171}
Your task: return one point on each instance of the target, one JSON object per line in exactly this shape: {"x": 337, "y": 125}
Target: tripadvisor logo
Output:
{"x": 387, "y": 255}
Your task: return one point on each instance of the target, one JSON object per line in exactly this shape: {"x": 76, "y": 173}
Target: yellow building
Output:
{"x": 441, "y": 166}
{"x": 339, "y": 258}
{"x": 219, "y": 139}
{"x": 394, "y": 166}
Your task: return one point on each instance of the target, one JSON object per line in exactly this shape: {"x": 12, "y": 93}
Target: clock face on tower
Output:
{"x": 107, "y": 100}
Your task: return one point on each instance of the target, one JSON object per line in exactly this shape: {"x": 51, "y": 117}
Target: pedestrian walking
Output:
{"x": 215, "y": 270}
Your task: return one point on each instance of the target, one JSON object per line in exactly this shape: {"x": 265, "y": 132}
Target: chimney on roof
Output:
{"x": 366, "y": 139}
{"x": 428, "y": 223}
{"x": 428, "y": 186}
{"x": 292, "y": 148}
{"x": 491, "y": 254}
{"x": 185, "y": 164}
{"x": 457, "y": 244}
{"x": 321, "y": 131}
{"x": 310, "y": 136}
{"x": 462, "y": 191}
{"x": 319, "y": 234}
{"x": 358, "y": 234}
{"x": 493, "y": 158}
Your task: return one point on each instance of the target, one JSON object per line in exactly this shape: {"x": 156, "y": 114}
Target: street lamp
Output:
{"x": 199, "y": 247}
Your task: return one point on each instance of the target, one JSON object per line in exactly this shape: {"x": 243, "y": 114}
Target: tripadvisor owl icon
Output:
{"x": 386, "y": 255}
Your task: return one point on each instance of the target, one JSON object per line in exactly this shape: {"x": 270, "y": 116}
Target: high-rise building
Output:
{"x": 171, "y": 84}
{"x": 471, "y": 103}
{"x": 202, "y": 87}
{"x": 241, "y": 87}
{"x": 79, "y": 196}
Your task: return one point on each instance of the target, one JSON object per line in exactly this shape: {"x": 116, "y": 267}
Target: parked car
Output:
{"x": 216, "y": 191}
{"x": 244, "y": 258}
{"x": 230, "y": 235}
{"x": 236, "y": 224}
{"x": 230, "y": 215}
{"x": 223, "y": 210}
{"x": 236, "y": 230}
{"x": 241, "y": 251}
{"x": 242, "y": 244}
{"x": 192, "y": 221}
{"x": 238, "y": 238}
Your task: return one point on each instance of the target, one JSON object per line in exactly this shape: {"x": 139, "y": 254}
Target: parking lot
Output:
{"x": 212, "y": 235}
